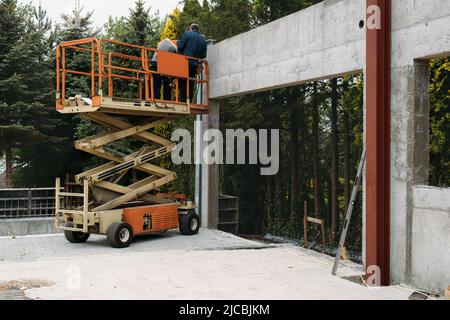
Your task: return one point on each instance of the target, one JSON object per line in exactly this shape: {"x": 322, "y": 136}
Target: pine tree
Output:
{"x": 229, "y": 18}
{"x": 143, "y": 28}
{"x": 12, "y": 26}
{"x": 334, "y": 158}
{"x": 315, "y": 148}
{"x": 346, "y": 142}
{"x": 191, "y": 14}
{"x": 139, "y": 28}
{"x": 77, "y": 25}
{"x": 269, "y": 10}
{"x": 25, "y": 84}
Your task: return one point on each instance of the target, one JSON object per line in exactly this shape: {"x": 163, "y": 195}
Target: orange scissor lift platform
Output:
{"x": 105, "y": 204}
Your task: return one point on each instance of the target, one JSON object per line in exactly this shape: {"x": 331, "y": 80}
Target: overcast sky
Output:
{"x": 102, "y": 8}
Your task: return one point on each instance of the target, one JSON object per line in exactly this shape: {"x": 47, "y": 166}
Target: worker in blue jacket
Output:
{"x": 192, "y": 44}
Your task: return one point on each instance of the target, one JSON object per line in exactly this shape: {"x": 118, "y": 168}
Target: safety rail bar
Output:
{"x": 176, "y": 66}
{"x": 60, "y": 210}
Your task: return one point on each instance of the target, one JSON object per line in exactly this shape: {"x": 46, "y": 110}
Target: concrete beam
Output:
{"x": 322, "y": 41}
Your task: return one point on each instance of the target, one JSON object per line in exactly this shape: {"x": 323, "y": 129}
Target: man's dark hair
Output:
{"x": 195, "y": 27}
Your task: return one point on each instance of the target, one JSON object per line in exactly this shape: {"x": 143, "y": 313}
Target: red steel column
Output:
{"x": 378, "y": 107}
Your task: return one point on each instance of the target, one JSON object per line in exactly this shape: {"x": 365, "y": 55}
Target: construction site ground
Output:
{"x": 211, "y": 265}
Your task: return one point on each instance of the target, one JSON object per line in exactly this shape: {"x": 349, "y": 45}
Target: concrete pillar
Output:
{"x": 415, "y": 140}
{"x": 210, "y": 174}
{"x": 410, "y": 136}
{"x": 401, "y": 169}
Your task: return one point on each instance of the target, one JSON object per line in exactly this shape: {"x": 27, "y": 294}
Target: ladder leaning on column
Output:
{"x": 348, "y": 215}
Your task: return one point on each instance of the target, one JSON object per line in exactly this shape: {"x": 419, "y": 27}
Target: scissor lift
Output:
{"x": 106, "y": 206}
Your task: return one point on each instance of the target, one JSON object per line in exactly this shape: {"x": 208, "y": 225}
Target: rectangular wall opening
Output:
{"x": 439, "y": 123}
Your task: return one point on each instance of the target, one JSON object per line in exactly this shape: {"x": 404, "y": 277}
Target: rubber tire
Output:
{"x": 113, "y": 235}
{"x": 76, "y": 237}
{"x": 185, "y": 224}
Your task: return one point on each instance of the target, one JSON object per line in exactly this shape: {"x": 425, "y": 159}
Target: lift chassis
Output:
{"x": 108, "y": 202}
{"x": 121, "y": 225}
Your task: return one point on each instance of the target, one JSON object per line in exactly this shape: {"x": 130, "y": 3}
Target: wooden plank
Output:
{"x": 77, "y": 109}
{"x": 314, "y": 220}
{"x": 324, "y": 239}
{"x": 320, "y": 222}
{"x": 305, "y": 224}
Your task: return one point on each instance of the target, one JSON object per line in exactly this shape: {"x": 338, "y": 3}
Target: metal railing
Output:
{"x": 27, "y": 203}
{"x": 105, "y": 67}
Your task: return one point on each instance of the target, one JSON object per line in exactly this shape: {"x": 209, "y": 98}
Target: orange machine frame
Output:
{"x": 103, "y": 69}
{"x": 154, "y": 218}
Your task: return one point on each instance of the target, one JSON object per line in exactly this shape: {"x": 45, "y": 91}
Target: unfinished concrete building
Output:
{"x": 406, "y": 223}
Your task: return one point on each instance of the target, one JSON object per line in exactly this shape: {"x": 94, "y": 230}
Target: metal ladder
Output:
{"x": 348, "y": 215}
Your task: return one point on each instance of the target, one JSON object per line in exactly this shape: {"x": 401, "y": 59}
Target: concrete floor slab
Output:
{"x": 30, "y": 248}
{"x": 212, "y": 265}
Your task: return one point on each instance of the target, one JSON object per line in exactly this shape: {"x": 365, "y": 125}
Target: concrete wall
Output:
{"x": 319, "y": 42}
{"x": 431, "y": 238}
{"x": 25, "y": 227}
{"x": 325, "y": 41}
{"x": 420, "y": 30}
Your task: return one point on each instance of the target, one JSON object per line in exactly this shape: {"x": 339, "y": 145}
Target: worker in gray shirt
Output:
{"x": 162, "y": 82}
